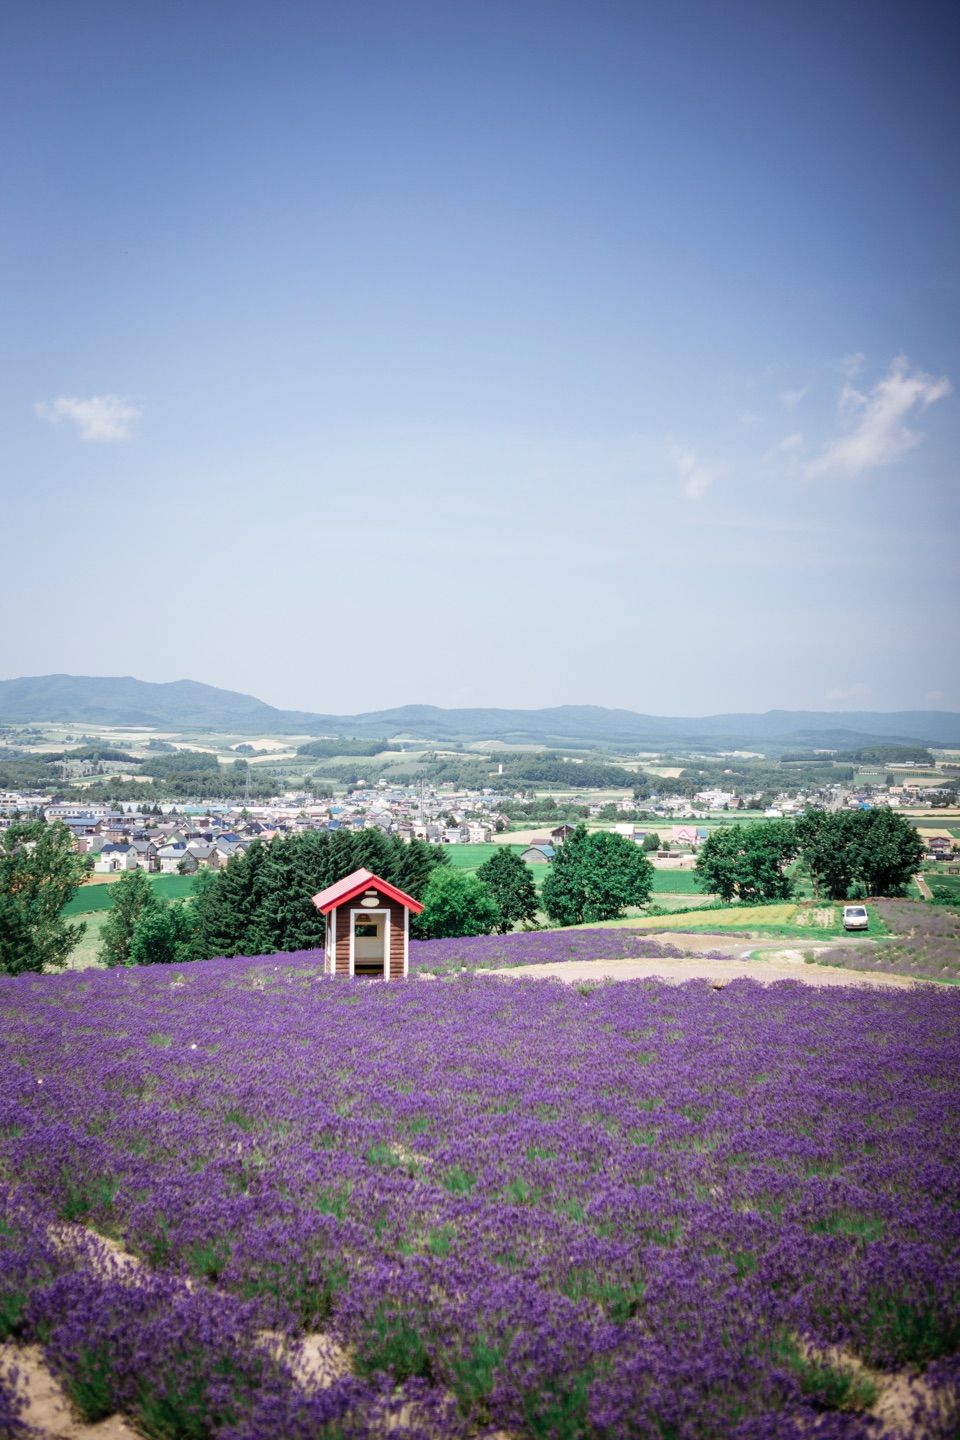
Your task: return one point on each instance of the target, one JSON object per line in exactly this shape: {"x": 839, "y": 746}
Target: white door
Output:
{"x": 370, "y": 942}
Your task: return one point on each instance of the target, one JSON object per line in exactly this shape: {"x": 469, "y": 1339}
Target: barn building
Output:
{"x": 368, "y": 926}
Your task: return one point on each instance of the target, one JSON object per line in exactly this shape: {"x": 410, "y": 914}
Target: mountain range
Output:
{"x": 189, "y": 705}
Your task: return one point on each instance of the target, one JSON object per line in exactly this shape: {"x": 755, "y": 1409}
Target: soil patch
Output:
{"x": 47, "y": 1409}
{"x": 767, "y": 967}
{"x": 823, "y": 919}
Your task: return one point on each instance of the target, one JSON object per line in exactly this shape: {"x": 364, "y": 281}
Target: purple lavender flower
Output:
{"x": 646, "y": 1209}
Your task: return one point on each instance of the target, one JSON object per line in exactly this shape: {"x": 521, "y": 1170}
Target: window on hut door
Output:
{"x": 369, "y": 935}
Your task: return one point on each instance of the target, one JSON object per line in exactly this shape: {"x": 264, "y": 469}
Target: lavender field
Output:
{"x": 477, "y": 1206}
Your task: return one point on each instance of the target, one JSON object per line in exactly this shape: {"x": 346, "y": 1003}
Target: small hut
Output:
{"x": 368, "y": 926}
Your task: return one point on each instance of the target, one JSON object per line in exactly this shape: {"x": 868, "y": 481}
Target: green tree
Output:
{"x": 416, "y": 864}
{"x": 828, "y": 851}
{"x": 284, "y": 916}
{"x": 510, "y": 883}
{"x": 651, "y": 842}
{"x": 768, "y": 850}
{"x": 858, "y": 852}
{"x": 595, "y": 877}
{"x": 163, "y": 935}
{"x": 748, "y": 862}
{"x": 891, "y": 851}
{"x": 17, "y": 948}
{"x": 261, "y": 902}
{"x": 718, "y": 862}
{"x": 226, "y": 911}
{"x": 131, "y": 896}
{"x": 39, "y": 872}
{"x": 455, "y": 904}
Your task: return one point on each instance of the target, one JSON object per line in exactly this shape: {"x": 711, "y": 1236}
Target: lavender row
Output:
{"x": 178, "y": 1360}
{"x": 537, "y": 947}
{"x": 643, "y": 1210}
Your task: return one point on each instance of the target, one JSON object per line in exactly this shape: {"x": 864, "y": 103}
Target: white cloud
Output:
{"x": 696, "y": 476}
{"x": 851, "y": 365}
{"x": 933, "y": 696}
{"x": 857, "y": 691}
{"x": 876, "y": 433}
{"x": 792, "y": 398}
{"x": 101, "y": 417}
{"x": 789, "y": 445}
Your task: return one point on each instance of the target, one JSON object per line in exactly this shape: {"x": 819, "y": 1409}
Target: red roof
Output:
{"x": 355, "y": 884}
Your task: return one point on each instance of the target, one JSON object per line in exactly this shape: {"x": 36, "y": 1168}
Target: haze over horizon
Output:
{"x": 515, "y": 354}
{"x": 36, "y": 683}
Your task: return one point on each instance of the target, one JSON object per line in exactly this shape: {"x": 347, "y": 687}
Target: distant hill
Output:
{"x": 593, "y": 724}
{"x": 187, "y": 704}
{"x": 122, "y": 700}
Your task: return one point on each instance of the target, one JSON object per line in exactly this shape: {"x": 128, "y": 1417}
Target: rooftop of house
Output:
{"x": 355, "y": 884}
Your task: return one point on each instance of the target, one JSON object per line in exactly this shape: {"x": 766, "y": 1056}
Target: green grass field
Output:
{"x": 83, "y": 955}
{"x": 792, "y": 921}
{"x": 675, "y": 882}
{"x": 90, "y": 899}
{"x": 92, "y": 903}
{"x": 669, "y": 900}
{"x": 945, "y": 888}
{"x": 471, "y": 857}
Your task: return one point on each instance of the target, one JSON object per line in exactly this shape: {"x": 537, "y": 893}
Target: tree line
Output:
{"x": 847, "y": 854}
{"x": 260, "y": 902}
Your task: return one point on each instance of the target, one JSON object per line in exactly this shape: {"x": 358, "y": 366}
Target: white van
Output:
{"x": 855, "y": 917}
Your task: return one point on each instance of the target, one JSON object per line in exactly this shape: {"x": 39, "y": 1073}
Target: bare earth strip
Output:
{"x": 315, "y": 1360}
{"x": 48, "y": 1409}
{"x": 773, "y": 960}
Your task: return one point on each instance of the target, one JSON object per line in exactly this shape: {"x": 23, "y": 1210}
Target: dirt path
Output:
{"x": 923, "y": 887}
{"x": 719, "y": 958}
{"x": 739, "y": 947}
{"x": 316, "y": 1360}
{"x": 773, "y": 964}
{"x": 48, "y": 1410}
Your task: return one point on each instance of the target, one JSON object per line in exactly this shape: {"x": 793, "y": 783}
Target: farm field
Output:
{"x": 924, "y": 940}
{"x": 734, "y": 917}
{"x": 673, "y": 881}
{"x": 944, "y": 887}
{"x": 452, "y": 1207}
{"x": 789, "y": 918}
{"x": 84, "y": 954}
{"x": 95, "y": 896}
{"x": 669, "y": 900}
{"x": 471, "y": 857}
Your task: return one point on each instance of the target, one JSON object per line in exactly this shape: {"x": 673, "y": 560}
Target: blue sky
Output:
{"x": 484, "y": 353}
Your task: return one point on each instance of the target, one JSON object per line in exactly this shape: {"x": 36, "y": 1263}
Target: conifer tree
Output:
{"x": 262, "y": 902}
